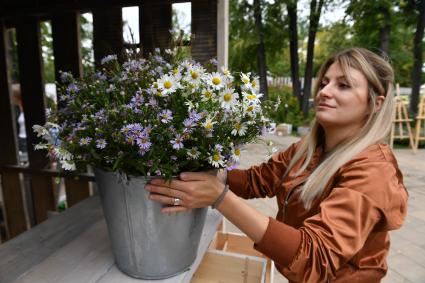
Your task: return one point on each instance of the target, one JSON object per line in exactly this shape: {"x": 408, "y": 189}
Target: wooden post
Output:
{"x": 401, "y": 119}
{"x": 107, "y": 33}
{"x": 11, "y": 184}
{"x": 223, "y": 33}
{"x": 204, "y": 30}
{"x": 32, "y": 88}
{"x": 420, "y": 118}
{"x": 154, "y": 25}
{"x": 67, "y": 52}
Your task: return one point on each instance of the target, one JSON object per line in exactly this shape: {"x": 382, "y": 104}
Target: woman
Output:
{"x": 339, "y": 189}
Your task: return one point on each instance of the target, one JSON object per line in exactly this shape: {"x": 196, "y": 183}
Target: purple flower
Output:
{"x": 85, "y": 141}
{"x": 195, "y": 116}
{"x": 108, "y": 58}
{"x": 152, "y": 102}
{"x": 72, "y": 87}
{"x": 101, "y": 143}
{"x": 177, "y": 142}
{"x": 66, "y": 77}
{"x": 101, "y": 76}
{"x": 143, "y": 142}
{"x": 165, "y": 116}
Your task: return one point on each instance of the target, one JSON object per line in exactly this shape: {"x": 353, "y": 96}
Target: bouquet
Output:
{"x": 156, "y": 116}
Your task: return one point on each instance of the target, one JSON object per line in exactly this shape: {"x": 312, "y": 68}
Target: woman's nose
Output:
{"x": 325, "y": 91}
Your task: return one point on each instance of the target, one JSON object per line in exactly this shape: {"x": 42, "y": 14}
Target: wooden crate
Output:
{"x": 241, "y": 244}
{"x": 225, "y": 267}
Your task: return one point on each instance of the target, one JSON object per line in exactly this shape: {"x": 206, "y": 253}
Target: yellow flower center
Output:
{"x": 159, "y": 93}
{"x": 227, "y": 97}
{"x": 251, "y": 97}
{"x": 216, "y": 157}
{"x": 216, "y": 80}
{"x": 209, "y": 126}
{"x": 237, "y": 126}
{"x": 194, "y": 75}
{"x": 237, "y": 151}
{"x": 250, "y": 108}
{"x": 175, "y": 71}
{"x": 207, "y": 94}
{"x": 168, "y": 84}
{"x": 245, "y": 80}
{"x": 254, "y": 84}
{"x": 144, "y": 140}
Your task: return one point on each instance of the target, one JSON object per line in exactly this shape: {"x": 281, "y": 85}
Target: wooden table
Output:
{"x": 74, "y": 247}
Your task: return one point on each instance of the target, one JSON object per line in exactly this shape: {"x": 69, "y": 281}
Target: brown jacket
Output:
{"x": 344, "y": 236}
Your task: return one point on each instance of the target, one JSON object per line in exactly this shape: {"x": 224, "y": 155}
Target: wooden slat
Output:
{"x": 154, "y": 25}
{"x": 107, "y": 33}
{"x": 11, "y": 186}
{"x": 204, "y": 30}
{"x": 29, "y": 249}
{"x": 76, "y": 191}
{"x": 32, "y": 87}
{"x": 67, "y": 43}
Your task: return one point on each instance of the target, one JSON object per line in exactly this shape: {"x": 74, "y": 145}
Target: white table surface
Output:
{"x": 74, "y": 247}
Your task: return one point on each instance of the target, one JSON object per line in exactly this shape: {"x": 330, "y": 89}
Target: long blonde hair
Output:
{"x": 380, "y": 78}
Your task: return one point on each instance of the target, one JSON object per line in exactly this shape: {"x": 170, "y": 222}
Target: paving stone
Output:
{"x": 407, "y": 268}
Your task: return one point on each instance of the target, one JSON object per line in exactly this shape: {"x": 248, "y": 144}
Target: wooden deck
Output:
{"x": 74, "y": 247}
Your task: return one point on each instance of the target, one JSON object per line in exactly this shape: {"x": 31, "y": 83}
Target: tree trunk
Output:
{"x": 293, "y": 49}
{"x": 384, "y": 32}
{"x": 417, "y": 55}
{"x": 261, "y": 52}
{"x": 315, "y": 11}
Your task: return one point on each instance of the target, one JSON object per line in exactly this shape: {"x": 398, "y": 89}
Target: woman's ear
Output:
{"x": 379, "y": 102}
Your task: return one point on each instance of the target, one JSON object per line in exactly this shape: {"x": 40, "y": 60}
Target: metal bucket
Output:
{"x": 146, "y": 243}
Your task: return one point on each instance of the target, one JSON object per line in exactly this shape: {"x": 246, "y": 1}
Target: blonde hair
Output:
{"x": 380, "y": 77}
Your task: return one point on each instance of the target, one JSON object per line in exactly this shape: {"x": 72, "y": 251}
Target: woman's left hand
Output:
{"x": 193, "y": 190}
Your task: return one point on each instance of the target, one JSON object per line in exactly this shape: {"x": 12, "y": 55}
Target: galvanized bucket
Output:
{"x": 146, "y": 243}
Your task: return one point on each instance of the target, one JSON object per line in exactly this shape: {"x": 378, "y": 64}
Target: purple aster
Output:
{"x": 101, "y": 143}
{"x": 66, "y": 77}
{"x": 85, "y": 141}
{"x": 143, "y": 142}
{"x": 108, "y": 58}
{"x": 195, "y": 116}
{"x": 101, "y": 76}
{"x": 165, "y": 116}
{"x": 72, "y": 87}
{"x": 177, "y": 142}
{"x": 152, "y": 102}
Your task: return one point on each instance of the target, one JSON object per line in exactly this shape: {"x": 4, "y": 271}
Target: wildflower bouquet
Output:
{"x": 156, "y": 116}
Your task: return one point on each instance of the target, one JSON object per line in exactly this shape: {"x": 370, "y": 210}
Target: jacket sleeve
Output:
{"x": 261, "y": 180}
{"x": 363, "y": 199}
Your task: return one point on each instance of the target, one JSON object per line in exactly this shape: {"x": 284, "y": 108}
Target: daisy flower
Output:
{"x": 209, "y": 124}
{"x": 228, "y": 98}
{"x": 193, "y": 153}
{"x": 239, "y": 129}
{"x": 236, "y": 153}
{"x": 215, "y": 80}
{"x": 101, "y": 143}
{"x": 167, "y": 84}
{"x": 207, "y": 94}
{"x": 166, "y": 116}
{"x": 85, "y": 141}
{"x": 216, "y": 159}
{"x": 194, "y": 74}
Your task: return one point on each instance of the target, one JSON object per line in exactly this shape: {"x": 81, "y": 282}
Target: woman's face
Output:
{"x": 340, "y": 104}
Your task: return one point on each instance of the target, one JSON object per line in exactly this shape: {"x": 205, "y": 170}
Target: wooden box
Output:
{"x": 225, "y": 267}
{"x": 241, "y": 244}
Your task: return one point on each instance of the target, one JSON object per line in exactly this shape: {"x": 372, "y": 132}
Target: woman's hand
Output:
{"x": 193, "y": 189}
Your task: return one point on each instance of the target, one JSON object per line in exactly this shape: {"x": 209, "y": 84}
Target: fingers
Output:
{"x": 174, "y": 201}
{"x": 174, "y": 184}
{"x": 166, "y": 191}
{"x": 195, "y": 176}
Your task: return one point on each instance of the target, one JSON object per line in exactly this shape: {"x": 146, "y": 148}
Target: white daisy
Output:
{"x": 193, "y": 153}
{"x": 236, "y": 154}
{"x": 252, "y": 97}
{"x": 216, "y": 80}
{"x": 207, "y": 94}
{"x": 251, "y": 109}
{"x": 167, "y": 84}
{"x": 226, "y": 73}
{"x": 239, "y": 129}
{"x": 228, "y": 98}
{"x": 194, "y": 74}
{"x": 245, "y": 79}
{"x": 216, "y": 159}
{"x": 209, "y": 124}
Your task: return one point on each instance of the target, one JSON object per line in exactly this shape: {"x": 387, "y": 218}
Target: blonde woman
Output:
{"x": 339, "y": 189}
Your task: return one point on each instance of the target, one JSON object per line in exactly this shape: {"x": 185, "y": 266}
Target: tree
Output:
{"x": 291, "y": 6}
{"x": 261, "y": 53}
{"x": 417, "y": 55}
{"x": 315, "y": 10}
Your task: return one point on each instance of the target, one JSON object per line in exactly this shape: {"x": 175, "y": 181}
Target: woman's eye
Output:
{"x": 322, "y": 85}
{"x": 344, "y": 86}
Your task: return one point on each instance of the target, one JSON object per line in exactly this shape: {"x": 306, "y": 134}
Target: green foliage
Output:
{"x": 283, "y": 107}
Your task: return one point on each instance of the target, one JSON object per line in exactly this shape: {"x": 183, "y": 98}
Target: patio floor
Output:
{"x": 407, "y": 254}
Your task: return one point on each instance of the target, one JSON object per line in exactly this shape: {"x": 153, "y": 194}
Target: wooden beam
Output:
{"x": 154, "y": 25}
{"x": 67, "y": 43}
{"x": 204, "y": 30}
{"x": 11, "y": 185}
{"x": 107, "y": 33}
{"x": 32, "y": 88}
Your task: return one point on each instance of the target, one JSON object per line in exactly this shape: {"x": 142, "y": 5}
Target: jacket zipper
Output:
{"x": 286, "y": 202}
